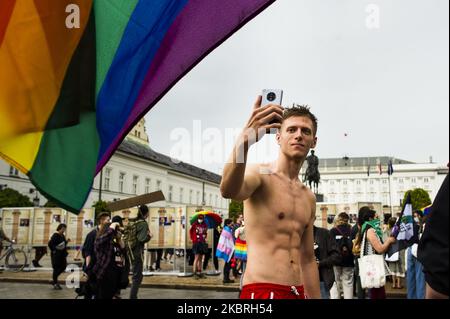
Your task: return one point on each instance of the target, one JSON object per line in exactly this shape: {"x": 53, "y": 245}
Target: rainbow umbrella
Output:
{"x": 426, "y": 210}
{"x": 212, "y": 219}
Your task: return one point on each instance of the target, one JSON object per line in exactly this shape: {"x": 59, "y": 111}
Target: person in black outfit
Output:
{"x": 213, "y": 252}
{"x": 344, "y": 270}
{"x": 327, "y": 256}
{"x": 433, "y": 246}
{"x": 58, "y": 248}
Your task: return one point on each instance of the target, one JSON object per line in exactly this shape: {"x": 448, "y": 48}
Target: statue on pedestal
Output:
{"x": 312, "y": 175}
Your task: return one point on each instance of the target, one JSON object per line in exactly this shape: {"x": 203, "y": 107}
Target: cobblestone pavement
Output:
{"x": 41, "y": 291}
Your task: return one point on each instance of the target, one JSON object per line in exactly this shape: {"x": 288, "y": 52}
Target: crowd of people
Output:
{"x": 338, "y": 250}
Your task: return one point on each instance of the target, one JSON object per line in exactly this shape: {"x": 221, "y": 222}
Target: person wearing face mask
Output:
{"x": 198, "y": 233}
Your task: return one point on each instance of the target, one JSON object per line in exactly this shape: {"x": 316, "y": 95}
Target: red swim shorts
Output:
{"x": 272, "y": 291}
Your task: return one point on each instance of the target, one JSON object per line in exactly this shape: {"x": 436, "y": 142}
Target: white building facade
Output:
{"x": 136, "y": 169}
{"x": 354, "y": 180}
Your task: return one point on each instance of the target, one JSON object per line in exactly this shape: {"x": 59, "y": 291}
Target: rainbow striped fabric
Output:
{"x": 240, "y": 249}
{"x": 77, "y": 75}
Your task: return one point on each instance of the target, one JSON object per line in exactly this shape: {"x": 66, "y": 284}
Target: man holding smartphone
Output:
{"x": 279, "y": 209}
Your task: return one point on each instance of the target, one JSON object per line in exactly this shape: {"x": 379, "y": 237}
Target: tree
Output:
{"x": 235, "y": 209}
{"x": 12, "y": 198}
{"x": 100, "y": 206}
{"x": 50, "y": 204}
{"x": 419, "y": 198}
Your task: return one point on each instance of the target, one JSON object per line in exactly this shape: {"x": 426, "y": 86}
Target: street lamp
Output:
{"x": 36, "y": 200}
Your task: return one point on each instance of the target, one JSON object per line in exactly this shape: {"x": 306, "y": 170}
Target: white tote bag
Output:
{"x": 372, "y": 269}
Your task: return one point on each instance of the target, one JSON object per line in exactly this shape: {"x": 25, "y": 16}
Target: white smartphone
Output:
{"x": 270, "y": 96}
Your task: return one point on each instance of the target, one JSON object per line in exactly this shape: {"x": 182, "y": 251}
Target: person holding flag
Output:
{"x": 403, "y": 230}
{"x": 225, "y": 249}
{"x": 371, "y": 231}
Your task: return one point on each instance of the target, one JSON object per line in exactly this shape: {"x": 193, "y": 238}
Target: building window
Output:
{"x": 413, "y": 180}
{"x": 170, "y": 192}
{"x": 358, "y": 182}
{"x": 158, "y": 185}
{"x": 181, "y": 194}
{"x": 121, "y": 181}
{"x": 345, "y": 198}
{"x": 190, "y": 196}
{"x": 331, "y": 182}
{"x": 426, "y": 180}
{"x": 371, "y": 182}
{"x": 400, "y": 180}
{"x": 13, "y": 171}
{"x": 385, "y": 181}
{"x": 135, "y": 184}
{"x": 147, "y": 185}
{"x": 107, "y": 180}
{"x": 344, "y": 182}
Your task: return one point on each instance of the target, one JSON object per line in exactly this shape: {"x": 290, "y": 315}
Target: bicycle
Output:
{"x": 15, "y": 258}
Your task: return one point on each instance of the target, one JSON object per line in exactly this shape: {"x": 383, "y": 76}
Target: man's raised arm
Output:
{"x": 236, "y": 182}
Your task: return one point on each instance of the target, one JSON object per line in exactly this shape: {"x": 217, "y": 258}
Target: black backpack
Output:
{"x": 344, "y": 244}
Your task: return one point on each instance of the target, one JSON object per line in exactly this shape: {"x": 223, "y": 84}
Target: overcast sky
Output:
{"x": 387, "y": 88}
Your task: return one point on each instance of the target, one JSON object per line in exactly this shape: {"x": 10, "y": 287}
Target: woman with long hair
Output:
{"x": 371, "y": 228}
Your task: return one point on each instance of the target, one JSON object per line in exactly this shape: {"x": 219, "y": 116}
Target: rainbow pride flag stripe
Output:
{"x": 69, "y": 96}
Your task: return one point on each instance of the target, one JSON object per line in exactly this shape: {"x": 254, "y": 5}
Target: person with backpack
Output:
{"x": 344, "y": 270}
{"x": 136, "y": 235}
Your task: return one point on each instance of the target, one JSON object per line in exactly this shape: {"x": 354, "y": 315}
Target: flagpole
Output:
{"x": 390, "y": 196}
{"x": 390, "y": 193}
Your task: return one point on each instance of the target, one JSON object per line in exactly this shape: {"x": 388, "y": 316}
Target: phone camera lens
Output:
{"x": 271, "y": 97}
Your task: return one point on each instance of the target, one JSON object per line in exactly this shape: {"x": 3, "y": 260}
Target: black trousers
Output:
{"x": 59, "y": 265}
{"x": 215, "y": 259}
{"x": 39, "y": 253}
{"x": 226, "y": 271}
{"x": 107, "y": 286}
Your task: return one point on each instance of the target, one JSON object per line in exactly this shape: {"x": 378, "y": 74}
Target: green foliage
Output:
{"x": 419, "y": 198}
{"x": 235, "y": 209}
{"x": 12, "y": 198}
{"x": 100, "y": 206}
{"x": 50, "y": 204}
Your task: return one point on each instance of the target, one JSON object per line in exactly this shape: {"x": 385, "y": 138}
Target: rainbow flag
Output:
{"x": 77, "y": 75}
{"x": 240, "y": 249}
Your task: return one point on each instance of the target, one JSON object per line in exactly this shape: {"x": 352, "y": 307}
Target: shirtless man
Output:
{"x": 279, "y": 209}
